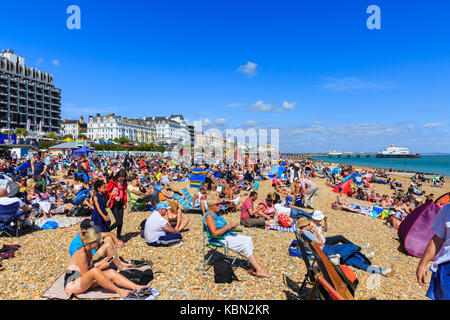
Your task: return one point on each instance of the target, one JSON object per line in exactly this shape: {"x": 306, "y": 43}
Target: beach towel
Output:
{"x": 280, "y": 228}
{"x": 56, "y": 291}
{"x": 197, "y": 177}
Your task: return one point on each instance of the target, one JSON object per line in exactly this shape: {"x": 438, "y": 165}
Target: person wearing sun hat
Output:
{"x": 320, "y": 221}
{"x": 350, "y": 254}
{"x": 158, "y": 231}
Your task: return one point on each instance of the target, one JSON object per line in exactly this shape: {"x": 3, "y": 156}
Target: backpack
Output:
{"x": 223, "y": 272}
{"x": 285, "y": 220}
{"x": 140, "y": 277}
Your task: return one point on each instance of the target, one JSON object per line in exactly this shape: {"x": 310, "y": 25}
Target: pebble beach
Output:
{"x": 178, "y": 270}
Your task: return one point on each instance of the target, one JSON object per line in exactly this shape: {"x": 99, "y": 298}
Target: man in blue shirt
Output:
{"x": 108, "y": 247}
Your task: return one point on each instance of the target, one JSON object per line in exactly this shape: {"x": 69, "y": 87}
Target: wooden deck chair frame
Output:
{"x": 329, "y": 273}
{"x": 215, "y": 247}
{"x": 311, "y": 271}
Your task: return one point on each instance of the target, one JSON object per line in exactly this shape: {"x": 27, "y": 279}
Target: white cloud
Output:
{"x": 55, "y": 63}
{"x": 221, "y": 122}
{"x": 354, "y": 83}
{"x": 289, "y": 106}
{"x": 435, "y": 125}
{"x": 234, "y": 105}
{"x": 249, "y": 69}
{"x": 250, "y": 123}
{"x": 260, "y": 106}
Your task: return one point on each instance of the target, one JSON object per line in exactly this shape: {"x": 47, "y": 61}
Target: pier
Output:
{"x": 355, "y": 155}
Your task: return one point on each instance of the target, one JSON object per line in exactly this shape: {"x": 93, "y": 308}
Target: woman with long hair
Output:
{"x": 116, "y": 193}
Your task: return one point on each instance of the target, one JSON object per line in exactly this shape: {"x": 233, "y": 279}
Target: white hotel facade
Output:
{"x": 110, "y": 127}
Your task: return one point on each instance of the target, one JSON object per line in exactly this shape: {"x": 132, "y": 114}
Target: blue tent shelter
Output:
{"x": 337, "y": 169}
{"x": 82, "y": 150}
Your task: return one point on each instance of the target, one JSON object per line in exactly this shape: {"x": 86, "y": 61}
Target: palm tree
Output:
{"x": 21, "y": 133}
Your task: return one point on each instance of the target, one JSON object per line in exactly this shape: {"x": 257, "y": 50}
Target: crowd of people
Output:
{"x": 98, "y": 186}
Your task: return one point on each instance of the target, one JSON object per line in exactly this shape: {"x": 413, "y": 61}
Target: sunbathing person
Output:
{"x": 82, "y": 273}
{"x": 218, "y": 227}
{"x": 341, "y": 204}
{"x": 175, "y": 216}
{"x": 349, "y": 253}
{"x": 108, "y": 247}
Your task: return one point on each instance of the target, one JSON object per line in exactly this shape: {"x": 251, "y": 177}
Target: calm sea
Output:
{"x": 436, "y": 164}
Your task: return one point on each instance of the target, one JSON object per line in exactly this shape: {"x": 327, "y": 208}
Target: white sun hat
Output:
{"x": 318, "y": 215}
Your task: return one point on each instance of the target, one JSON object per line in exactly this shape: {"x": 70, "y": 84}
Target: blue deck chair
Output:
{"x": 66, "y": 187}
{"x": 185, "y": 204}
{"x": 9, "y": 216}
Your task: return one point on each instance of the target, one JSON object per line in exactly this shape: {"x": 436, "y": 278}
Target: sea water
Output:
{"x": 433, "y": 164}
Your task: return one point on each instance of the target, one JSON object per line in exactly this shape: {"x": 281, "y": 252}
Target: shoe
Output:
{"x": 150, "y": 291}
{"x": 335, "y": 259}
{"x": 370, "y": 255}
{"x": 135, "y": 295}
{"x": 387, "y": 272}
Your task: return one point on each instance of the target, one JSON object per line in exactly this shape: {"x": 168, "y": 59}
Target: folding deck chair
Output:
{"x": 208, "y": 243}
{"x": 331, "y": 274}
{"x": 187, "y": 201}
{"x": 310, "y": 263}
{"x": 9, "y": 219}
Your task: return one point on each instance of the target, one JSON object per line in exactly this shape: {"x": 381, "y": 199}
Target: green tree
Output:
{"x": 52, "y": 136}
{"x": 82, "y": 136}
{"x": 68, "y": 136}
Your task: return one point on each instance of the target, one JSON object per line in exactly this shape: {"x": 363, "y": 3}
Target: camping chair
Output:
{"x": 330, "y": 274}
{"x": 9, "y": 215}
{"x": 184, "y": 204}
{"x": 207, "y": 243}
{"x": 138, "y": 205}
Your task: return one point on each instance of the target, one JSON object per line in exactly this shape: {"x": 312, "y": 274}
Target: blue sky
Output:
{"x": 311, "y": 69}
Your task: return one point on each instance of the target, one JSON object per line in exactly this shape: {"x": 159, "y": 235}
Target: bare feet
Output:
{"x": 263, "y": 274}
{"x": 123, "y": 293}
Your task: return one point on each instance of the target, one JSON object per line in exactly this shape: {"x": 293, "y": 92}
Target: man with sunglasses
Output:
{"x": 107, "y": 248}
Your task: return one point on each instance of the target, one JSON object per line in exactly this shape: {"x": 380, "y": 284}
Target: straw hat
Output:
{"x": 302, "y": 222}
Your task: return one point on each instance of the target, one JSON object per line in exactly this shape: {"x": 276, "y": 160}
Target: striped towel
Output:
{"x": 280, "y": 228}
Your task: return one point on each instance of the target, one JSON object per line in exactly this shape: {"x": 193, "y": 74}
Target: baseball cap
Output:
{"x": 302, "y": 222}
{"x": 87, "y": 224}
{"x": 162, "y": 205}
{"x": 289, "y": 198}
{"x": 318, "y": 215}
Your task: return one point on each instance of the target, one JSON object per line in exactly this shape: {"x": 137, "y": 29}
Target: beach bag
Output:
{"x": 50, "y": 225}
{"x": 223, "y": 272}
{"x": 294, "y": 251}
{"x": 75, "y": 211}
{"x": 139, "y": 277}
{"x": 285, "y": 221}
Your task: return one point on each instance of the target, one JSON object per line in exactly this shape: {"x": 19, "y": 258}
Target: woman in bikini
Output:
{"x": 82, "y": 274}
